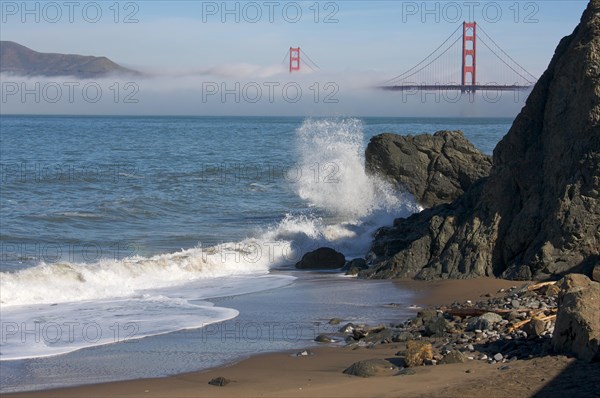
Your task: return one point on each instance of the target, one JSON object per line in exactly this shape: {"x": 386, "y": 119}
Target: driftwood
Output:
{"x": 519, "y": 325}
{"x": 465, "y": 312}
{"x": 539, "y": 285}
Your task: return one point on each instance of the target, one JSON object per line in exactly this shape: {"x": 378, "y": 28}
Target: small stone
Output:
{"x": 335, "y": 321}
{"x": 219, "y": 381}
{"x": 498, "y": 357}
{"x": 468, "y": 371}
{"x": 505, "y": 367}
{"x": 470, "y": 347}
{"x": 484, "y": 357}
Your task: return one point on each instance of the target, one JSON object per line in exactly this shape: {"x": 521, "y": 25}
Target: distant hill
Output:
{"x": 20, "y": 60}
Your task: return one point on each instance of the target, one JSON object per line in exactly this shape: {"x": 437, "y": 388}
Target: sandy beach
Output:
{"x": 284, "y": 374}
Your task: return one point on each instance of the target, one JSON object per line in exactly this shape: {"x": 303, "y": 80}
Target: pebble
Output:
{"x": 496, "y": 345}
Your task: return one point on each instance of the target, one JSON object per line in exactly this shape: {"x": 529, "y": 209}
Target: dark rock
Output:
{"x": 347, "y": 328}
{"x": 436, "y": 327}
{"x": 484, "y": 322}
{"x": 322, "y": 338}
{"x": 537, "y": 214}
{"x": 335, "y": 321}
{"x": 353, "y": 271}
{"x": 219, "y": 381}
{"x": 322, "y": 258}
{"x": 454, "y": 356}
{"x": 402, "y": 336}
{"x": 435, "y": 169}
{"x": 383, "y": 336}
{"x": 353, "y": 267}
{"x": 427, "y": 314}
{"x": 577, "y": 328}
{"x": 370, "y": 368}
{"x": 407, "y": 372}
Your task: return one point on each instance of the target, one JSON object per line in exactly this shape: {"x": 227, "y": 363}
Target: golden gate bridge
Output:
{"x": 453, "y": 65}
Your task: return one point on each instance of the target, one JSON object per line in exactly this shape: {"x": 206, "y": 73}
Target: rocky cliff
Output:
{"x": 538, "y": 213}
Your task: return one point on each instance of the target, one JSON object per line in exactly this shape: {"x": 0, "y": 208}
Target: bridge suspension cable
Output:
{"x": 531, "y": 78}
{"x": 447, "y": 65}
{"x": 401, "y": 76}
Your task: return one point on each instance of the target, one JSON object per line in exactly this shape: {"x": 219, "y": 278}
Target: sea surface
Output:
{"x": 146, "y": 246}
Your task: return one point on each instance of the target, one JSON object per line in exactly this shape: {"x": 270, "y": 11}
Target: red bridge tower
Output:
{"x": 469, "y": 53}
{"x": 294, "y": 59}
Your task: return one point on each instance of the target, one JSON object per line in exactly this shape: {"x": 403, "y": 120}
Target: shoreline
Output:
{"x": 319, "y": 374}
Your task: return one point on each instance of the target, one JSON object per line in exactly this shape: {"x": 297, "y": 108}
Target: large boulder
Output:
{"x": 322, "y": 258}
{"x": 537, "y": 214}
{"x": 577, "y": 328}
{"x": 435, "y": 169}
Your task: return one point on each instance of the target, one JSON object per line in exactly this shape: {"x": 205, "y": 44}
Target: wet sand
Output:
{"x": 320, "y": 375}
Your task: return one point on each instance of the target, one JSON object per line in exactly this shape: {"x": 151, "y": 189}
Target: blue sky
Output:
{"x": 350, "y": 39}
{"x": 369, "y": 35}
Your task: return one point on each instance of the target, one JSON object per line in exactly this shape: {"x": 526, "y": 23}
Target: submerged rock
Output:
{"x": 537, "y": 214}
{"x": 323, "y": 338}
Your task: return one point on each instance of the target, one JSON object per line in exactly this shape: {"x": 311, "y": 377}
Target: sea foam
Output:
{"x": 160, "y": 294}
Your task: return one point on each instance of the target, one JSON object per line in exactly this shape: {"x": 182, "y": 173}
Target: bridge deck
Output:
{"x": 458, "y": 87}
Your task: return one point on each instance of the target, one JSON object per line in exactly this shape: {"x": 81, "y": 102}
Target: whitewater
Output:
{"x": 55, "y": 308}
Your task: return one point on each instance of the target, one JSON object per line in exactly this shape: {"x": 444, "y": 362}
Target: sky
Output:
{"x": 193, "y": 49}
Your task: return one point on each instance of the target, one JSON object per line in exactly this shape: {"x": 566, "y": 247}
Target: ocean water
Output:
{"x": 114, "y": 229}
